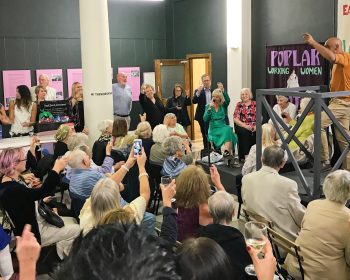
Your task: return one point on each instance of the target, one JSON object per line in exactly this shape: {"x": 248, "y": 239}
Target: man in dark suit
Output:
{"x": 201, "y": 97}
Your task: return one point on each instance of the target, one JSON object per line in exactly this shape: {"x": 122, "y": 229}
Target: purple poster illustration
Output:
{"x": 133, "y": 74}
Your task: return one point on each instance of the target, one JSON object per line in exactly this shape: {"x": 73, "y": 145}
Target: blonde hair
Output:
{"x": 268, "y": 133}
{"x": 74, "y": 88}
{"x": 246, "y": 90}
{"x": 117, "y": 215}
{"x": 143, "y": 130}
{"x": 218, "y": 93}
{"x": 192, "y": 187}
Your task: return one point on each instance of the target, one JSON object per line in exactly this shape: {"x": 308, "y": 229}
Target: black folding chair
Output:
{"x": 154, "y": 177}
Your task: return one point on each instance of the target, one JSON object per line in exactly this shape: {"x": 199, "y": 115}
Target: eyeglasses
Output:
{"x": 25, "y": 159}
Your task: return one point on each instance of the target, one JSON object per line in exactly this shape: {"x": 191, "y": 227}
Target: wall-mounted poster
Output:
{"x": 74, "y": 75}
{"x": 56, "y": 80}
{"x": 12, "y": 79}
{"x": 344, "y": 23}
{"x": 133, "y": 74}
{"x": 149, "y": 78}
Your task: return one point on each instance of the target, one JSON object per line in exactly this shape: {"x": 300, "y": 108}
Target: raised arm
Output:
{"x": 3, "y": 117}
{"x": 143, "y": 176}
{"x": 326, "y": 53}
{"x": 215, "y": 178}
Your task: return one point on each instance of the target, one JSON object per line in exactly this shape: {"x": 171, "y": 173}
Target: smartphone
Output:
{"x": 137, "y": 147}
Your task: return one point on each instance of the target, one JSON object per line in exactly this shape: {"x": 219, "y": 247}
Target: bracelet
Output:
{"x": 125, "y": 168}
{"x": 143, "y": 174}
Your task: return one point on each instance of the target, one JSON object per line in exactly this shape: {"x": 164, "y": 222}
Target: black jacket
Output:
{"x": 233, "y": 243}
{"x": 181, "y": 115}
{"x": 201, "y": 101}
{"x": 155, "y": 112}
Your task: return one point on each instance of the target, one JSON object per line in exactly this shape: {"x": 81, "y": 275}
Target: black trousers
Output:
{"x": 246, "y": 139}
{"x": 204, "y": 131}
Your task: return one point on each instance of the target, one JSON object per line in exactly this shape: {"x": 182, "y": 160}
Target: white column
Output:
{"x": 96, "y": 64}
{"x": 238, "y": 50}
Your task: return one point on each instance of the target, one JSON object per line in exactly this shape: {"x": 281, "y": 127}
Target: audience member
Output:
{"x": 20, "y": 201}
{"x": 6, "y": 268}
{"x": 62, "y": 136}
{"x": 44, "y": 81}
{"x": 324, "y": 237}
{"x": 219, "y": 133}
{"x": 226, "y": 97}
{"x": 122, "y": 99}
{"x": 144, "y": 131}
{"x": 152, "y": 106}
{"x": 192, "y": 193}
{"x": 77, "y": 139}
{"x": 174, "y": 128}
{"x": 244, "y": 118}
{"x": 122, "y": 141}
{"x": 202, "y": 97}
{"x": 3, "y": 117}
{"x": 160, "y": 133}
{"x": 339, "y": 106}
{"x": 99, "y": 147}
{"x": 77, "y": 107}
{"x": 222, "y": 209}
{"x": 177, "y": 104}
{"x": 176, "y": 161}
{"x": 284, "y": 107}
{"x": 273, "y": 196}
{"x": 22, "y": 112}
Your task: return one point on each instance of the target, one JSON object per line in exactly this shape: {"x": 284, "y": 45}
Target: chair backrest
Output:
{"x": 154, "y": 171}
{"x": 44, "y": 165}
{"x": 252, "y": 216}
{"x": 117, "y": 155}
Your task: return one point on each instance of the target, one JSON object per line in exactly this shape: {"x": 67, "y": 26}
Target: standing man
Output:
{"x": 339, "y": 106}
{"x": 202, "y": 97}
{"x": 44, "y": 81}
{"x": 122, "y": 100}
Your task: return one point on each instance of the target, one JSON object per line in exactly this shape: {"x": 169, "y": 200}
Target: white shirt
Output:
{"x": 291, "y": 110}
{"x": 50, "y": 93}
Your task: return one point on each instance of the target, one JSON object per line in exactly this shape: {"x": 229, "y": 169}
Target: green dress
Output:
{"x": 219, "y": 133}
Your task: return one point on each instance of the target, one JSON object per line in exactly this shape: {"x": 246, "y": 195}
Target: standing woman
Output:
{"x": 77, "y": 107}
{"x": 40, "y": 93}
{"x": 244, "y": 118}
{"x": 22, "y": 112}
{"x": 152, "y": 105}
{"x": 178, "y": 105}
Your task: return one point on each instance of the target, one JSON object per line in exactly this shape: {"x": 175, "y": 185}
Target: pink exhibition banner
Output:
{"x": 74, "y": 75}
{"x": 133, "y": 74}
{"x": 56, "y": 80}
{"x": 12, "y": 79}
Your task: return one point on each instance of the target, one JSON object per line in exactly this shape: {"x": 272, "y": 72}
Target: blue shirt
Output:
{"x": 122, "y": 99}
{"x": 207, "y": 95}
{"x": 82, "y": 181}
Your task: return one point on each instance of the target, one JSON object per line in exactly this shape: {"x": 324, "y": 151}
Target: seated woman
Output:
{"x": 22, "y": 112}
{"x": 284, "y": 107}
{"x": 244, "y": 118}
{"x": 105, "y": 197}
{"x": 99, "y": 147}
{"x": 160, "y": 133}
{"x": 304, "y": 132}
{"x": 62, "y": 136}
{"x": 192, "y": 193}
{"x": 174, "y": 127}
{"x": 324, "y": 236}
{"x": 20, "y": 201}
{"x": 122, "y": 141}
{"x": 144, "y": 131}
{"x": 219, "y": 133}
{"x": 268, "y": 139}
{"x": 152, "y": 106}
{"x": 178, "y": 105}
{"x": 174, "y": 163}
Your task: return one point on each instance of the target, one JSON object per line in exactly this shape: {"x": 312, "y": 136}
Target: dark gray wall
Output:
{"x": 277, "y": 22}
{"x": 198, "y": 26}
{"x": 41, "y": 34}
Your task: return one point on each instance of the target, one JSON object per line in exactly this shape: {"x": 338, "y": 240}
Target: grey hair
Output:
{"x": 304, "y": 102}
{"x": 84, "y": 148}
{"x": 273, "y": 156}
{"x": 336, "y": 186}
{"x": 76, "y": 158}
{"x": 171, "y": 145}
{"x": 160, "y": 133}
{"x": 103, "y": 125}
{"x": 221, "y": 207}
{"x": 143, "y": 130}
{"x": 45, "y": 76}
{"x": 170, "y": 116}
{"x": 105, "y": 196}
{"x": 285, "y": 97}
{"x": 76, "y": 140}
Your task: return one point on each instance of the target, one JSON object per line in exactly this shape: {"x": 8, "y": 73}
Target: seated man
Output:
{"x": 273, "y": 196}
{"x": 222, "y": 209}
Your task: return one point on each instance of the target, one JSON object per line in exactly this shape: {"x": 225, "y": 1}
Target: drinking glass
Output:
{"x": 255, "y": 234}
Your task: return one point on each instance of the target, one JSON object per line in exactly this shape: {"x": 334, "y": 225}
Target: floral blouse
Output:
{"x": 246, "y": 114}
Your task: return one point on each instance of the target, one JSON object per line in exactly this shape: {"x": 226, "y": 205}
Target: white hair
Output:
{"x": 221, "y": 207}
{"x": 103, "y": 125}
{"x": 247, "y": 90}
{"x": 170, "y": 116}
{"x": 76, "y": 140}
{"x": 171, "y": 145}
{"x": 304, "y": 102}
{"x": 282, "y": 96}
{"x": 76, "y": 158}
{"x": 160, "y": 133}
{"x": 336, "y": 186}
{"x": 45, "y": 76}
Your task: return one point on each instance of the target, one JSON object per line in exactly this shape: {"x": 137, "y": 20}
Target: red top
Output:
{"x": 246, "y": 113}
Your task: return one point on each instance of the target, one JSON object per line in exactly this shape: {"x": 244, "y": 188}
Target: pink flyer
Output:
{"x": 133, "y": 74}
{"x": 56, "y": 80}
{"x": 12, "y": 79}
{"x": 74, "y": 75}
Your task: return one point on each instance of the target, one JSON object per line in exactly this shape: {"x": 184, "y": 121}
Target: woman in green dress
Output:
{"x": 219, "y": 133}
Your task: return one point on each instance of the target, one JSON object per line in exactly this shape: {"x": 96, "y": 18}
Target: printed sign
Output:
{"x": 344, "y": 23}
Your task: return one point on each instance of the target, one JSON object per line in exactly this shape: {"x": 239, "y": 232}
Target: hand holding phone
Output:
{"x": 137, "y": 147}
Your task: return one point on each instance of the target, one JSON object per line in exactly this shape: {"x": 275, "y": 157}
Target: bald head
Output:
{"x": 334, "y": 44}
{"x": 44, "y": 80}
{"x": 122, "y": 79}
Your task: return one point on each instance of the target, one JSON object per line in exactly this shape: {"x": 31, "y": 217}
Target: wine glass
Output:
{"x": 255, "y": 236}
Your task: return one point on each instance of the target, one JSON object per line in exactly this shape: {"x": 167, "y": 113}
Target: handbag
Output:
{"x": 49, "y": 215}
